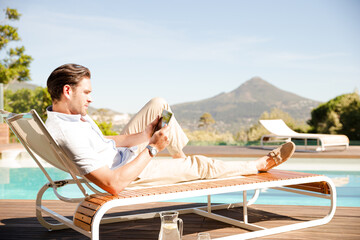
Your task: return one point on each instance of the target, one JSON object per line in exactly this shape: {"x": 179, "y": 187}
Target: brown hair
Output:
{"x": 67, "y": 74}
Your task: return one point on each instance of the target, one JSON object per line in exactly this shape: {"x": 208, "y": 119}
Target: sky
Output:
{"x": 191, "y": 50}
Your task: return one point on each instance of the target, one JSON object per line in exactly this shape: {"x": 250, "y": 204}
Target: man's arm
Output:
{"x": 137, "y": 138}
{"x": 114, "y": 181}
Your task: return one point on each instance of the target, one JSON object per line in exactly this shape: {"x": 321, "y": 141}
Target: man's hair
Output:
{"x": 67, "y": 74}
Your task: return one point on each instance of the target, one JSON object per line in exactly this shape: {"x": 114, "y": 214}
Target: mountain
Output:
{"x": 118, "y": 120}
{"x": 245, "y": 104}
{"x": 14, "y": 86}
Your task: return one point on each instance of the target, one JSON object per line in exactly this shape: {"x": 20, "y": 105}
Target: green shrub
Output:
{"x": 340, "y": 115}
{"x": 106, "y": 128}
{"x": 23, "y": 100}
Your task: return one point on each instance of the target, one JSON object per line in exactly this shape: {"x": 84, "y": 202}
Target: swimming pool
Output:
{"x": 24, "y": 182}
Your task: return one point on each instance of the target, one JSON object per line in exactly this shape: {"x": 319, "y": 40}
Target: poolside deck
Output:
{"x": 18, "y": 221}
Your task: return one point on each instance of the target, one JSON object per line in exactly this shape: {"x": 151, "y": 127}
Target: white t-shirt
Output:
{"x": 85, "y": 144}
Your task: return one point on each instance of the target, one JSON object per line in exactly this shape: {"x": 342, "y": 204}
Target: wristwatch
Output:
{"x": 152, "y": 150}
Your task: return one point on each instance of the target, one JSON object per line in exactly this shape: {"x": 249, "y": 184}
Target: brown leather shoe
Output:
{"x": 280, "y": 154}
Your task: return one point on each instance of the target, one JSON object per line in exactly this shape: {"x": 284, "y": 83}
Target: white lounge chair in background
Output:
{"x": 90, "y": 212}
{"x": 282, "y": 133}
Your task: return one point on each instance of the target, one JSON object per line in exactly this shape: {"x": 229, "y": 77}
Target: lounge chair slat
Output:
{"x": 320, "y": 187}
{"x": 86, "y": 211}
{"x": 82, "y": 225}
{"x": 83, "y": 217}
{"x": 96, "y": 201}
{"x": 91, "y": 205}
{"x": 105, "y": 197}
{"x": 308, "y": 188}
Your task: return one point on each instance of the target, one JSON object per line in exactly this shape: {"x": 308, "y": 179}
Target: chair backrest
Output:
{"x": 36, "y": 139}
{"x": 32, "y": 135}
{"x": 278, "y": 127}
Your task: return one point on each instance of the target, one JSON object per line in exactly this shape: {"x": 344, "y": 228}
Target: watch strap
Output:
{"x": 152, "y": 150}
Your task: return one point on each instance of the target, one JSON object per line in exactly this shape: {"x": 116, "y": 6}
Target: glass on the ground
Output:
{"x": 203, "y": 236}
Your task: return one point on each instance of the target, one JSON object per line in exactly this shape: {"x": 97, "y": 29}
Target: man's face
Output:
{"x": 80, "y": 97}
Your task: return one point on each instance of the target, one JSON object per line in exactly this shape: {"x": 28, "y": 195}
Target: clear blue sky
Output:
{"x": 191, "y": 50}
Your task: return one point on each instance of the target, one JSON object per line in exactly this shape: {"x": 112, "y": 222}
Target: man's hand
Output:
{"x": 152, "y": 127}
{"x": 114, "y": 181}
{"x": 137, "y": 138}
{"x": 160, "y": 139}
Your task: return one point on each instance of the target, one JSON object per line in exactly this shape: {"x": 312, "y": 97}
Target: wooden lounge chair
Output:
{"x": 90, "y": 212}
{"x": 282, "y": 133}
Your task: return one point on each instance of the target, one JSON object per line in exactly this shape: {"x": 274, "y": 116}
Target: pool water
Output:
{"x": 24, "y": 183}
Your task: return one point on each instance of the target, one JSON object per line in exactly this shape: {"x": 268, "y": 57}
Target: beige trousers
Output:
{"x": 169, "y": 171}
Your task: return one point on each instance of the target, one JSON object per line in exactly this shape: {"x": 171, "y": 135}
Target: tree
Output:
{"x": 106, "y": 128}
{"x": 206, "y": 120}
{"x": 350, "y": 119}
{"x": 103, "y": 118}
{"x": 23, "y": 100}
{"x": 340, "y": 115}
{"x": 15, "y": 64}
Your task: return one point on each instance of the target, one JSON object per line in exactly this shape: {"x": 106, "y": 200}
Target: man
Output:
{"x": 115, "y": 162}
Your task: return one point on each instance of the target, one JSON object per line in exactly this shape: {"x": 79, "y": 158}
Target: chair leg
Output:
{"x": 245, "y": 214}
{"x": 39, "y": 212}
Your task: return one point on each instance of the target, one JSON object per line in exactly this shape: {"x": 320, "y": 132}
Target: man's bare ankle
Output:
{"x": 262, "y": 163}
